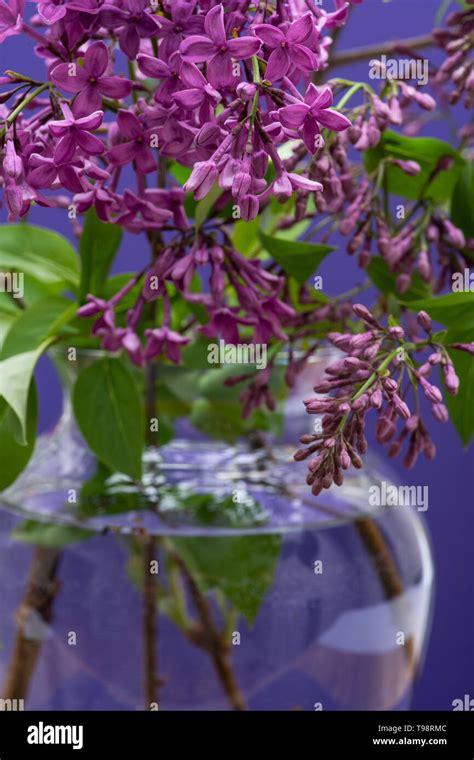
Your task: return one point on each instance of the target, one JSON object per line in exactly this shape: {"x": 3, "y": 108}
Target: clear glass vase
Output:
{"x": 218, "y": 583}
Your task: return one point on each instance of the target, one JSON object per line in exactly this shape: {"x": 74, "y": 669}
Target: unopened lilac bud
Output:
{"x": 12, "y": 163}
{"x": 423, "y": 265}
{"x": 451, "y": 379}
{"x": 429, "y": 449}
{"x": 249, "y": 207}
{"x": 403, "y": 283}
{"x": 412, "y": 168}
{"x": 385, "y": 429}
{"x": 345, "y": 460}
{"x": 412, "y": 423}
{"x": 352, "y": 362}
{"x": 327, "y": 480}
{"x": 396, "y": 332}
{"x": 376, "y": 399}
{"x": 362, "y": 312}
{"x": 260, "y": 163}
{"x": 431, "y": 392}
{"x": 355, "y": 459}
{"x": 362, "y": 444}
{"x": 435, "y": 358}
{"x": 301, "y": 455}
{"x": 361, "y": 403}
{"x": 440, "y": 412}
{"x": 209, "y": 133}
{"x": 394, "y": 449}
{"x": 453, "y": 234}
{"x": 425, "y": 321}
{"x": 389, "y": 384}
{"x": 246, "y": 91}
{"x": 338, "y": 477}
{"x": 425, "y": 370}
{"x": 400, "y": 407}
{"x": 468, "y": 347}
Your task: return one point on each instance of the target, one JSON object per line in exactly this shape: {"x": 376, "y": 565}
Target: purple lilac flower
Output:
{"x": 217, "y": 49}
{"x": 288, "y": 48}
{"x": 89, "y": 81}
{"x": 136, "y": 148}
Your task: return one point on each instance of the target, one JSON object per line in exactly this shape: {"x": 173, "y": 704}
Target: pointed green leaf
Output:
{"x": 110, "y": 415}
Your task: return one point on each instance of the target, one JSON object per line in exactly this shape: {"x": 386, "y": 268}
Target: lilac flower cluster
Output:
{"x": 376, "y": 375}
{"x": 458, "y": 67}
{"x": 212, "y": 87}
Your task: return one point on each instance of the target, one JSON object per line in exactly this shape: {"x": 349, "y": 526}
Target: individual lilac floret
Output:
{"x": 90, "y": 80}
{"x": 218, "y": 49}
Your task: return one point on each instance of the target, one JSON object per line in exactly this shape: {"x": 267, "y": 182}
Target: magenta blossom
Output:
{"x": 89, "y": 81}
{"x": 75, "y": 133}
{"x": 181, "y": 24}
{"x": 134, "y": 22}
{"x": 307, "y": 116}
{"x": 217, "y": 50}
{"x": 162, "y": 340}
{"x": 10, "y": 18}
{"x": 136, "y": 148}
{"x": 287, "y": 47}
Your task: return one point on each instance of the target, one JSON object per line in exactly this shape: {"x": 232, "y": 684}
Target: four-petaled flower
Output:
{"x": 162, "y": 340}
{"x": 89, "y": 81}
{"x": 136, "y": 148}
{"x": 134, "y": 22}
{"x": 217, "y": 49}
{"x": 75, "y": 133}
{"x": 287, "y": 47}
{"x": 309, "y": 114}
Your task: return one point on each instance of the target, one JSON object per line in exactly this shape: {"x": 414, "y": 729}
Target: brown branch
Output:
{"x": 208, "y": 636}
{"x": 354, "y": 55}
{"x": 35, "y": 611}
{"x": 387, "y": 571}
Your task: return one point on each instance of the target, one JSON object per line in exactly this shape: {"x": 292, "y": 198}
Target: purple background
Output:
{"x": 449, "y": 668}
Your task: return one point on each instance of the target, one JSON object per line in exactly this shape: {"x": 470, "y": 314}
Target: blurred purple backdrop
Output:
{"x": 448, "y": 673}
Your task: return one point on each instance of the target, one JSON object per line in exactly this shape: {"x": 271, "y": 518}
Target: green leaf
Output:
{"x": 204, "y": 207}
{"x": 426, "y": 151}
{"x": 242, "y": 567}
{"x": 33, "y": 326}
{"x": 245, "y": 235}
{"x": 461, "y": 406}
{"x": 45, "y": 534}
{"x": 13, "y": 455}
{"x": 462, "y": 203}
{"x": 195, "y": 354}
{"x": 7, "y": 318}
{"x": 41, "y": 253}
{"x": 384, "y": 280}
{"x": 98, "y": 246}
{"x": 299, "y": 260}
{"x": 110, "y": 416}
{"x": 16, "y": 373}
{"x": 180, "y": 173}
{"x": 453, "y": 310}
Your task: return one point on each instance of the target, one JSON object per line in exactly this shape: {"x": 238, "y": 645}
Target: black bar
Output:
{"x": 321, "y": 735}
